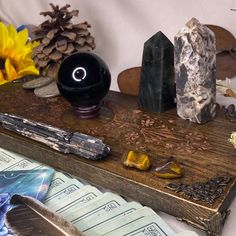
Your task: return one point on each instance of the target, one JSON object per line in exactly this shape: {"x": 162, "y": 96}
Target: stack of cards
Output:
{"x": 92, "y": 211}
{"x": 10, "y": 161}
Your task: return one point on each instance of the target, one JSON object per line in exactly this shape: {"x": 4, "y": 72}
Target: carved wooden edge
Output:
{"x": 202, "y": 217}
{"x": 212, "y": 225}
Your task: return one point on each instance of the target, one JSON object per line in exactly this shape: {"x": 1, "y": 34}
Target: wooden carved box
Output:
{"x": 201, "y": 197}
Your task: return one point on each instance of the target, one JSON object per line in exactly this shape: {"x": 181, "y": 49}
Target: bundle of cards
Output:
{"x": 93, "y": 211}
{"x": 96, "y": 213}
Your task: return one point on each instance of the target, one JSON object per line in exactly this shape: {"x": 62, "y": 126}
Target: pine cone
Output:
{"x": 59, "y": 38}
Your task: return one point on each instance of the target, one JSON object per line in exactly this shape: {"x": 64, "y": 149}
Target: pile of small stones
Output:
{"x": 44, "y": 87}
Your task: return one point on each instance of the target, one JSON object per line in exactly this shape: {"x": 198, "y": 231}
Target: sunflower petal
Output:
{"x": 20, "y": 57}
{"x": 22, "y": 38}
{"x": 4, "y": 37}
{"x": 30, "y": 70}
{"x": 10, "y": 71}
{"x": 12, "y": 31}
{"x": 2, "y": 80}
{"x": 35, "y": 44}
{"x": 8, "y": 52}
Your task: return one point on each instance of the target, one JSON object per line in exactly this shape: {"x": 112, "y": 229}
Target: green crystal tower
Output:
{"x": 157, "y": 84}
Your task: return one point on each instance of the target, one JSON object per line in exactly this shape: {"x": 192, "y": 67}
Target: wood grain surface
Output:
{"x": 203, "y": 151}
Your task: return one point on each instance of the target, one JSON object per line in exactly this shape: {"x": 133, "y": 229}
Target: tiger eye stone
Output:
{"x": 170, "y": 170}
{"x": 136, "y": 159}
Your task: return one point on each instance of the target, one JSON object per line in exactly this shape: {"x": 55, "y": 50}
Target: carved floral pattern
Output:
{"x": 142, "y": 131}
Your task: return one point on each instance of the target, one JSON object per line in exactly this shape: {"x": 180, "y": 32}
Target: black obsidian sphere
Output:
{"x": 83, "y": 80}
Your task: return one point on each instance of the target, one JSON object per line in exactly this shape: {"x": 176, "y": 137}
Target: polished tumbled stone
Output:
{"x": 171, "y": 169}
{"x": 37, "y": 83}
{"x": 47, "y": 91}
{"x": 195, "y": 70}
{"x": 157, "y": 85}
{"x": 135, "y": 159}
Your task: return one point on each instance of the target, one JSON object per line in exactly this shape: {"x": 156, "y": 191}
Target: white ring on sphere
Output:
{"x": 74, "y": 71}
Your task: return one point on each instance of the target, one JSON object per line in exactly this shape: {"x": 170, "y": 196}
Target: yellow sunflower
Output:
{"x": 15, "y": 54}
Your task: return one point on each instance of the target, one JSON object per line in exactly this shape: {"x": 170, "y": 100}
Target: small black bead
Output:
{"x": 231, "y": 109}
{"x": 224, "y": 109}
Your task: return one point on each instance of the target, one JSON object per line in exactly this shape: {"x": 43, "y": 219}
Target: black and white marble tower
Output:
{"x": 195, "y": 72}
